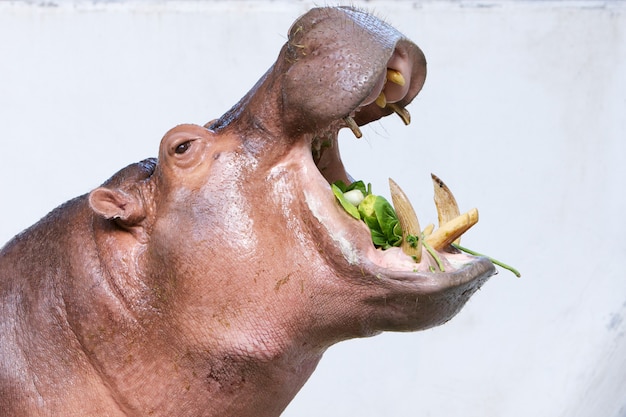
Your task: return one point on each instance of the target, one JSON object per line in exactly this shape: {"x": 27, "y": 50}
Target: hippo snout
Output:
{"x": 350, "y": 69}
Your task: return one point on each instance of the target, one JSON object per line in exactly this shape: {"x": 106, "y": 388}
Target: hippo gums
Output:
{"x": 209, "y": 281}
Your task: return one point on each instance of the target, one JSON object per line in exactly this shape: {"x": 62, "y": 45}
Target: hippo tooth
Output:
{"x": 428, "y": 229}
{"x": 381, "y": 100}
{"x": 402, "y": 112}
{"x": 353, "y": 126}
{"x": 447, "y": 207}
{"x": 395, "y": 77}
{"x": 407, "y": 218}
{"x": 450, "y": 231}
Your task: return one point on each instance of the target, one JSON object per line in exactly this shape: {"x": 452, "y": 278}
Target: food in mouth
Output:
{"x": 397, "y": 224}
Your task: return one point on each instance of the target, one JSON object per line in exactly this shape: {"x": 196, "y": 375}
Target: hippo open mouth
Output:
{"x": 351, "y": 81}
{"x": 344, "y": 68}
{"x": 436, "y": 269}
{"x": 390, "y": 90}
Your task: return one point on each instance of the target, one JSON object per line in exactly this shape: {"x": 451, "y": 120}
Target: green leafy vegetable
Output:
{"x": 436, "y": 257}
{"x": 375, "y": 211}
{"x": 493, "y": 261}
{"x": 347, "y": 206}
{"x": 380, "y": 216}
{"x": 357, "y": 185}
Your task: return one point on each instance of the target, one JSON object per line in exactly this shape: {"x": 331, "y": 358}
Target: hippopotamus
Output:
{"x": 209, "y": 281}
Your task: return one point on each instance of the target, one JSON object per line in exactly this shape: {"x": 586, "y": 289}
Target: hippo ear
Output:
{"x": 117, "y": 204}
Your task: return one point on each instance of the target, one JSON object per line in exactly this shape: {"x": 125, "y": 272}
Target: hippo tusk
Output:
{"x": 395, "y": 77}
{"x": 451, "y": 225}
{"x": 447, "y": 207}
{"x": 381, "y": 100}
{"x": 411, "y": 233}
{"x": 428, "y": 230}
{"x": 353, "y": 126}
{"x": 402, "y": 112}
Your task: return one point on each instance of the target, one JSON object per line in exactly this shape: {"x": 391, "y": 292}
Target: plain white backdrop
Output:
{"x": 523, "y": 114}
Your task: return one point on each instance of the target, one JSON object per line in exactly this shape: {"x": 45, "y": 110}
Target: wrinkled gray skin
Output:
{"x": 211, "y": 280}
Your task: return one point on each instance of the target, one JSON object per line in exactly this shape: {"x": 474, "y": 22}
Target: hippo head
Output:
{"x": 234, "y": 236}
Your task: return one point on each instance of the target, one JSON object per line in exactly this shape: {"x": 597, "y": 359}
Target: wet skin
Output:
{"x": 210, "y": 281}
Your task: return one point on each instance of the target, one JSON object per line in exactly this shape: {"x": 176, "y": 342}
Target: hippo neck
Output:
{"x": 153, "y": 362}
{"x": 263, "y": 109}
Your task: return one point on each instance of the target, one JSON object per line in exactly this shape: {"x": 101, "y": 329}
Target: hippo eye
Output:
{"x": 183, "y": 147}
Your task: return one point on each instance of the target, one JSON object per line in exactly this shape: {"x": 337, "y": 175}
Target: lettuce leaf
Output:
{"x": 377, "y": 213}
{"x": 356, "y": 185}
{"x": 347, "y": 206}
{"x": 380, "y": 216}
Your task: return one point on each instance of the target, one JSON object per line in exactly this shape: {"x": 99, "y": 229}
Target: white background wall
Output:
{"x": 523, "y": 114}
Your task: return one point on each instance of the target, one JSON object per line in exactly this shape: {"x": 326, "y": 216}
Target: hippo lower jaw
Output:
{"x": 396, "y": 276}
{"x": 453, "y": 282}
